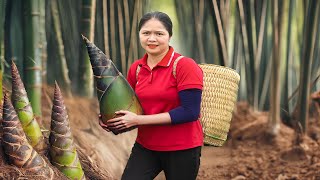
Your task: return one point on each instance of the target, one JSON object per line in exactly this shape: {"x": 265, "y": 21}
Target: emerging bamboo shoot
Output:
{"x": 24, "y": 110}
{"x": 20, "y": 153}
{"x": 62, "y": 149}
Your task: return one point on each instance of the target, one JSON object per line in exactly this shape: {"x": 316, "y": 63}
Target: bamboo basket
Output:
{"x": 219, "y": 96}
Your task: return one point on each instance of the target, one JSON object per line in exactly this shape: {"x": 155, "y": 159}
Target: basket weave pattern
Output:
{"x": 219, "y": 95}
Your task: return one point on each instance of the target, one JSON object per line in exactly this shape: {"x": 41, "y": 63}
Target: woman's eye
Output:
{"x": 146, "y": 33}
{"x": 159, "y": 34}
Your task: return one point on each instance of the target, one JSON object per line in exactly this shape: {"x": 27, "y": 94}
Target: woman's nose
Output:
{"x": 151, "y": 38}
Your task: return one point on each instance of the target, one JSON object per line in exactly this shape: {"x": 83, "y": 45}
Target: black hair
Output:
{"x": 162, "y": 17}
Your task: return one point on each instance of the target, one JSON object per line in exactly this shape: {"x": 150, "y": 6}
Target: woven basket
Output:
{"x": 219, "y": 95}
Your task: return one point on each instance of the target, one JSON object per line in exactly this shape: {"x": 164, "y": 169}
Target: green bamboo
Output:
{"x": 133, "y": 48}
{"x": 265, "y": 63}
{"x": 114, "y": 92}
{"x": 24, "y": 110}
{"x": 14, "y": 35}
{"x": 70, "y": 19}
{"x": 2, "y": 19}
{"x": 274, "y": 116}
{"x": 316, "y": 63}
{"x": 63, "y": 152}
{"x": 249, "y": 67}
{"x": 223, "y": 42}
{"x": 87, "y": 29}
{"x": 258, "y": 53}
{"x": 198, "y": 19}
{"x": 122, "y": 39}
{"x": 19, "y": 152}
{"x": 43, "y": 40}
{"x": 311, "y": 20}
{"x": 32, "y": 53}
{"x": 236, "y": 48}
{"x": 106, "y": 28}
{"x": 285, "y": 113}
{"x": 61, "y": 56}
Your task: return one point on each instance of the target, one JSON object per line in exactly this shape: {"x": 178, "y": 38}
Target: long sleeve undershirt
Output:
{"x": 189, "y": 109}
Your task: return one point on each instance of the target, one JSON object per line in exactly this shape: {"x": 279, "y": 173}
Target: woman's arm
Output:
{"x": 188, "y": 111}
{"x": 130, "y": 119}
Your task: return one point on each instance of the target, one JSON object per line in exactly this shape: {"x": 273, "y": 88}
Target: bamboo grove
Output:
{"x": 273, "y": 44}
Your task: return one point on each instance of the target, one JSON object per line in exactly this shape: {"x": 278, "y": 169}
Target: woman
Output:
{"x": 169, "y": 133}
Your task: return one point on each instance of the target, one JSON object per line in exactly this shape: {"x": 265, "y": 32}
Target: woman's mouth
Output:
{"x": 151, "y": 46}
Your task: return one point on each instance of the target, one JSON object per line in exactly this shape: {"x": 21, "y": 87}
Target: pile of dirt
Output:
{"x": 251, "y": 153}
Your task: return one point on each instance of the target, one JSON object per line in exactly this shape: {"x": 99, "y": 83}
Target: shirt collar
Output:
{"x": 167, "y": 59}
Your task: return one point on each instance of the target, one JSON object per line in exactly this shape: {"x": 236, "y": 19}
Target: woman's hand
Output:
{"x": 127, "y": 120}
{"x": 104, "y": 126}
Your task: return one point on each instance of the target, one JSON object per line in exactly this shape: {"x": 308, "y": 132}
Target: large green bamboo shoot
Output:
{"x": 20, "y": 153}
{"x": 62, "y": 149}
{"x": 25, "y": 112}
{"x": 114, "y": 92}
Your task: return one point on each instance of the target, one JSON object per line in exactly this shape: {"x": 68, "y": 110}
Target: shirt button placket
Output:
{"x": 150, "y": 78}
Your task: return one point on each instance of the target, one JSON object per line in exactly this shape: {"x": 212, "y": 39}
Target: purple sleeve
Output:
{"x": 189, "y": 109}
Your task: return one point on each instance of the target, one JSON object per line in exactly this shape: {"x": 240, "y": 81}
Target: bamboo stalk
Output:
{"x": 61, "y": 55}
{"x": 43, "y": 40}
{"x": 221, "y": 34}
{"x": 288, "y": 56}
{"x": 121, "y": 39}
{"x": 274, "y": 116}
{"x": 197, "y": 23}
{"x": 87, "y": 28}
{"x": 258, "y": 54}
{"x": 133, "y": 50}
{"x": 113, "y": 32}
{"x": 249, "y": 76}
{"x": 2, "y": 18}
{"x": 253, "y": 27}
{"x": 105, "y": 28}
{"x": 127, "y": 20}
{"x": 32, "y": 54}
{"x": 307, "y": 52}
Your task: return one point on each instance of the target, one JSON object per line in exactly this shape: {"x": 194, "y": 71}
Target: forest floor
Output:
{"x": 249, "y": 152}
{"x": 252, "y": 154}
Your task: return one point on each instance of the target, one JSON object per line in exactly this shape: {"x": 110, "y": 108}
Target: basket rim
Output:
{"x": 206, "y": 64}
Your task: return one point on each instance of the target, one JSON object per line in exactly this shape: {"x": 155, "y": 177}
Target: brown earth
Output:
{"x": 249, "y": 152}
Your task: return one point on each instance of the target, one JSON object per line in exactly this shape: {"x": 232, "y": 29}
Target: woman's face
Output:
{"x": 154, "y": 37}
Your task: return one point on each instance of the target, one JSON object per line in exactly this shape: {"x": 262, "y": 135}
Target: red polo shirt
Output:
{"x": 157, "y": 90}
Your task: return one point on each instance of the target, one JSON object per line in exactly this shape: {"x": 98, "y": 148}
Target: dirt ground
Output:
{"x": 248, "y": 154}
